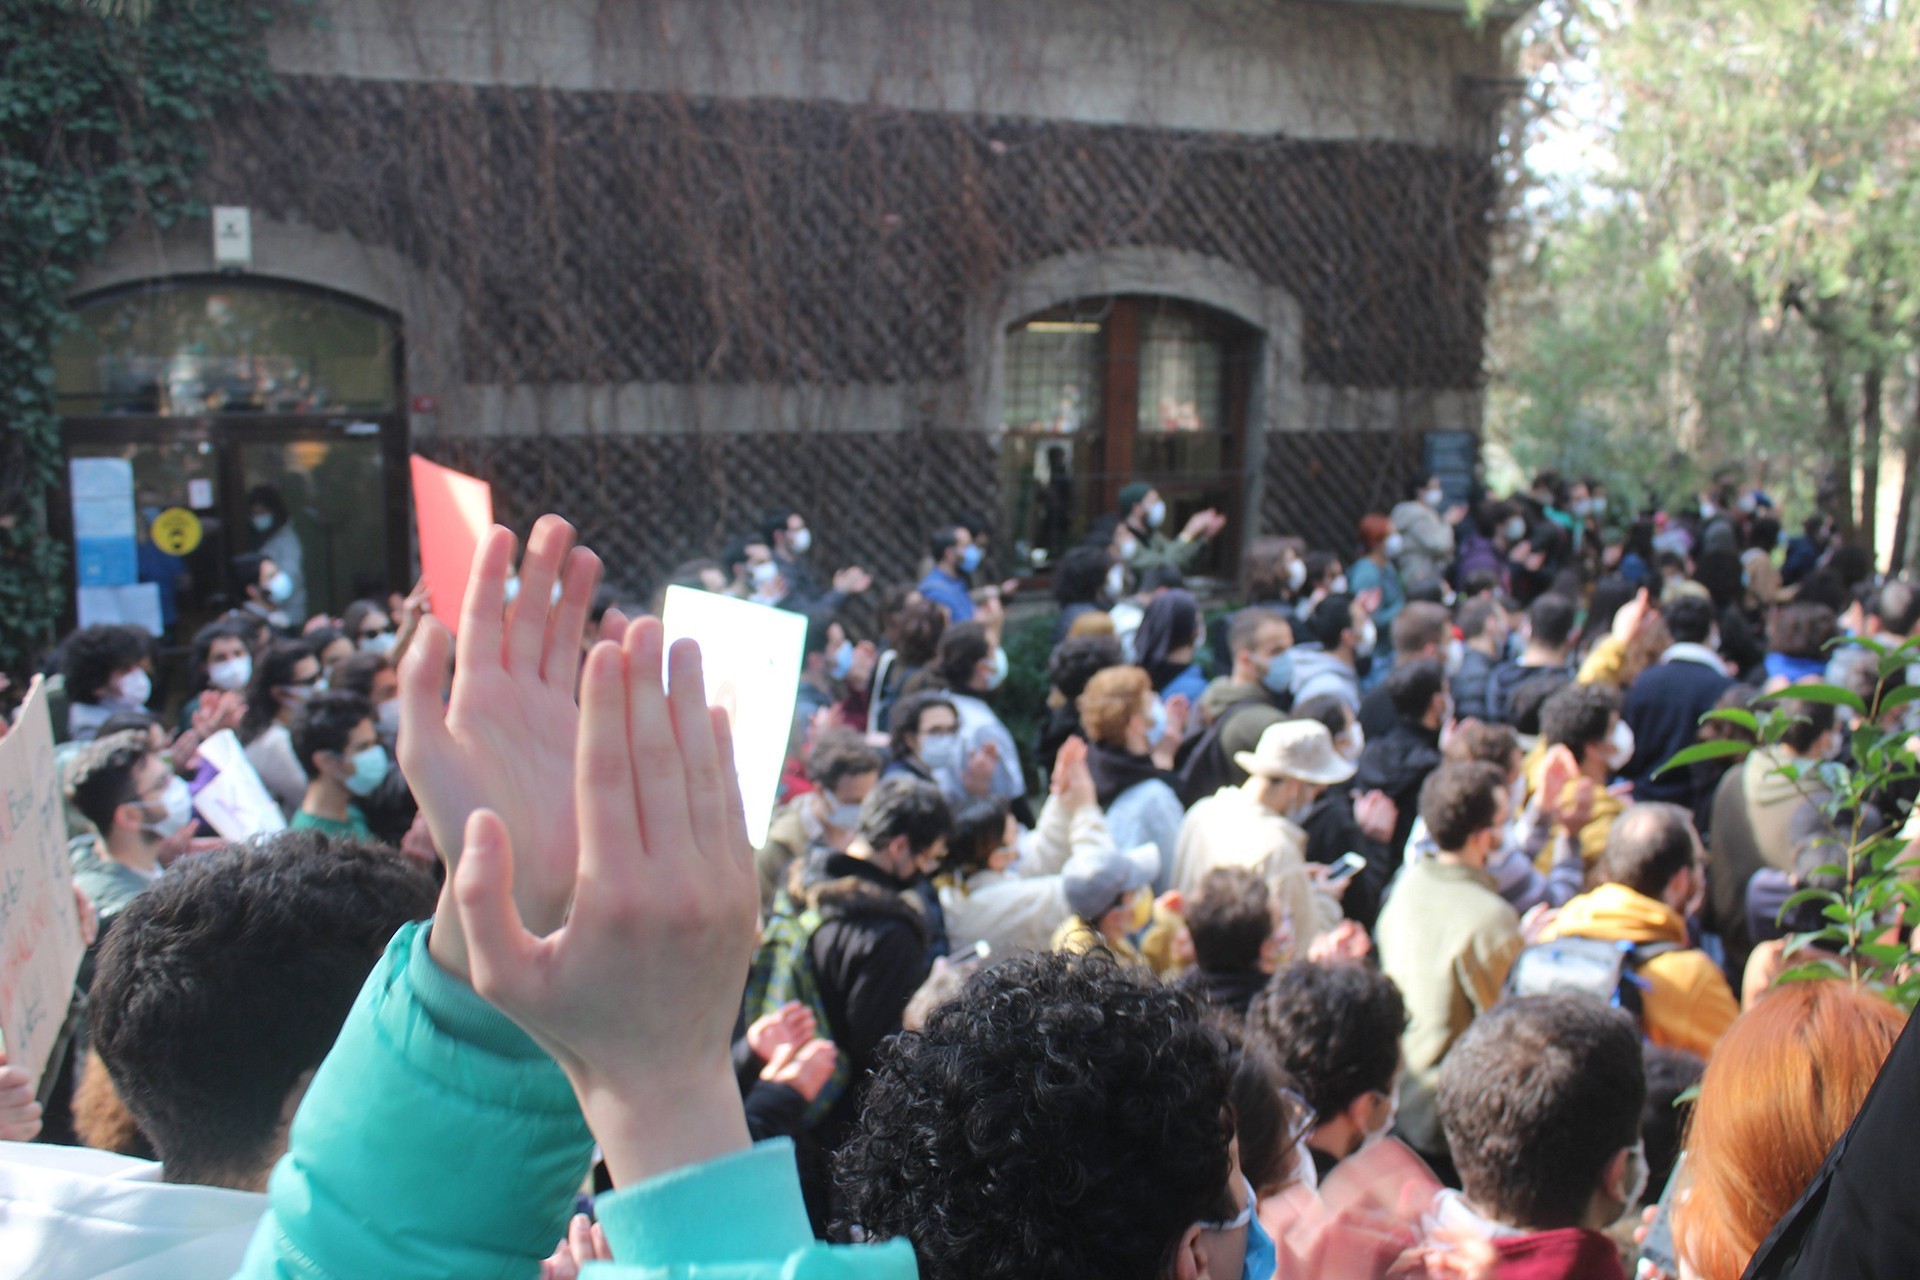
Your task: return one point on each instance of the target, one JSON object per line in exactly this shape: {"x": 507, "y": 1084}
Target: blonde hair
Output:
{"x": 1112, "y": 699}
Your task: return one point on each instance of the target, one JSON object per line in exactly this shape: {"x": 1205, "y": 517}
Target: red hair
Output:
{"x": 1374, "y": 530}
{"x": 1785, "y": 1082}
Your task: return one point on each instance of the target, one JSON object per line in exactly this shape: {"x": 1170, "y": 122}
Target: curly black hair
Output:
{"x": 1079, "y": 659}
{"x": 92, "y": 655}
{"x": 1062, "y": 1117}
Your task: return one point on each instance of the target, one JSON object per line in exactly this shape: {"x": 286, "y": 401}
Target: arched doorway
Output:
{"x": 203, "y": 390}
{"x": 1101, "y": 391}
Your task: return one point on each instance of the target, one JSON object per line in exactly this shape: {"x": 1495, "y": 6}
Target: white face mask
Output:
{"x": 1296, "y": 574}
{"x": 1369, "y": 637}
{"x": 1456, "y": 655}
{"x": 1620, "y": 746}
{"x": 232, "y": 674}
{"x": 132, "y": 689}
{"x": 997, "y": 676}
{"x": 1127, "y": 549}
{"x": 1340, "y": 585}
{"x": 939, "y": 750}
{"x": 1157, "y": 514}
{"x": 1516, "y": 529}
{"x": 177, "y": 800}
{"x": 279, "y": 587}
{"x": 1117, "y": 582}
{"x": 1395, "y": 545}
{"x": 843, "y": 816}
{"x": 1433, "y": 497}
{"x": 387, "y": 718}
{"x": 800, "y": 543}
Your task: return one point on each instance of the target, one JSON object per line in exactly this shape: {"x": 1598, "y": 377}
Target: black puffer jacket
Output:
{"x": 1398, "y": 764}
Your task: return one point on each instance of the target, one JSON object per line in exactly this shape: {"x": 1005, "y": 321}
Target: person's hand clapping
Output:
{"x": 1345, "y": 943}
{"x": 981, "y": 765}
{"x": 789, "y": 1026}
{"x": 804, "y": 1069}
{"x": 853, "y": 580}
{"x": 635, "y": 995}
{"x": 506, "y": 736}
{"x": 1072, "y": 780}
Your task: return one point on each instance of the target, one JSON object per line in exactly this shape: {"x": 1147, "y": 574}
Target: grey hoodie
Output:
{"x": 1315, "y": 671}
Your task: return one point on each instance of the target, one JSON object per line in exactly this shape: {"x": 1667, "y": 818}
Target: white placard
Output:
{"x": 235, "y": 803}
{"x": 751, "y": 655}
{"x": 38, "y": 922}
{"x": 138, "y": 603}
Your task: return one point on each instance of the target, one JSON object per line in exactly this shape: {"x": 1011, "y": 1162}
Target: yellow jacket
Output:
{"x": 1687, "y": 1004}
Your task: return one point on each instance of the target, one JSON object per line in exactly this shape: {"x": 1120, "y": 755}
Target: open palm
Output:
{"x": 505, "y": 739}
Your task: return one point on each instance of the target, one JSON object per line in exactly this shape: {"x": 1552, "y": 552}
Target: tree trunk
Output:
{"x": 1873, "y": 425}
{"x": 1902, "y": 524}
{"x": 1835, "y": 490}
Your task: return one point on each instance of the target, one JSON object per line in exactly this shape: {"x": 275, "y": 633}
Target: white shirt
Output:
{"x": 72, "y": 1212}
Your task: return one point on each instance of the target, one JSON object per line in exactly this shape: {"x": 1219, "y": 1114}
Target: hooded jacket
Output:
{"x": 1471, "y": 685}
{"x": 1504, "y": 679}
{"x": 1427, "y": 539}
{"x": 1687, "y": 1003}
{"x": 1315, "y": 671}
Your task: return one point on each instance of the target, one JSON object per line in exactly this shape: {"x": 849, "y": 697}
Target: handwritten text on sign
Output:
{"x": 40, "y": 946}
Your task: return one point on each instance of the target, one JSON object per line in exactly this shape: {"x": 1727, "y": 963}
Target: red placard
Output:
{"x": 451, "y": 512}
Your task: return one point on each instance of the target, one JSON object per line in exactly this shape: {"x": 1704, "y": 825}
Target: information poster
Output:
{"x": 40, "y": 945}
{"x": 232, "y": 798}
{"x": 103, "y": 521}
{"x": 751, "y": 655}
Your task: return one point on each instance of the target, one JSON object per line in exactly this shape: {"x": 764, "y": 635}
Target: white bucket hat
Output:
{"x": 1300, "y": 749}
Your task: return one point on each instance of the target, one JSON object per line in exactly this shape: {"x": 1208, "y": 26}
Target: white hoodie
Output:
{"x": 72, "y": 1212}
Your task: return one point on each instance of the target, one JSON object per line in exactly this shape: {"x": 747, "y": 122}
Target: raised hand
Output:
{"x": 977, "y": 780}
{"x": 852, "y": 580}
{"x": 1376, "y": 815}
{"x": 635, "y": 994}
{"x": 1072, "y": 780}
{"x": 584, "y": 1243}
{"x": 506, "y": 737}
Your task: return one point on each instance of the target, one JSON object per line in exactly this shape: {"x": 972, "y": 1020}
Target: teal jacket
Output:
{"x": 437, "y": 1139}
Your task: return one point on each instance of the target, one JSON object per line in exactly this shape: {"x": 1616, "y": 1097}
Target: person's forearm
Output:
{"x": 648, "y": 1125}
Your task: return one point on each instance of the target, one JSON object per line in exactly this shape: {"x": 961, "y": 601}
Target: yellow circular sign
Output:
{"x": 176, "y": 531}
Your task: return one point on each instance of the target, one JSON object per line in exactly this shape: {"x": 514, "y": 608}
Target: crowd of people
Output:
{"x": 1344, "y": 923}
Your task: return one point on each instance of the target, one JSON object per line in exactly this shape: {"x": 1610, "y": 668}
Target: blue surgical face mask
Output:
{"x": 1157, "y": 725}
{"x": 843, "y": 660}
{"x": 262, "y": 521}
{"x": 369, "y": 770}
{"x": 1279, "y": 677}
{"x": 1263, "y": 1260}
{"x": 970, "y": 559}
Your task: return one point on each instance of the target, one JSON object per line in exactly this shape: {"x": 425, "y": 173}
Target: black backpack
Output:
{"x": 1608, "y": 971}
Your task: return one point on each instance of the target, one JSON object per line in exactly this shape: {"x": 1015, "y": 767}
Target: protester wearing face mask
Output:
{"x": 955, "y": 557}
{"x": 834, "y": 677}
{"x": 142, "y": 816}
{"x": 924, "y": 736}
{"x": 271, "y": 536}
{"x": 220, "y": 663}
{"x": 105, "y": 668}
{"x": 1374, "y": 569}
{"x": 1399, "y": 761}
{"x": 843, "y": 770}
{"x": 1335, "y": 1030}
{"x": 335, "y": 741}
{"x": 1110, "y": 895}
{"x": 1260, "y": 641}
{"x": 284, "y": 677}
{"x": 1342, "y": 635}
{"x": 1583, "y": 739}
{"x": 370, "y": 627}
{"x": 1131, "y": 735}
{"x": 967, "y": 668}
{"x": 1143, "y": 517}
{"x": 1426, "y": 528}
{"x": 1257, "y": 825}
{"x": 791, "y": 543}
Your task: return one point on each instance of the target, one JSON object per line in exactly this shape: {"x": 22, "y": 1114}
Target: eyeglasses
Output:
{"x": 1300, "y": 1118}
{"x": 1240, "y": 1219}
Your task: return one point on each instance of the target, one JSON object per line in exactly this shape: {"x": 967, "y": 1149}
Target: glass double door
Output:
{"x": 342, "y": 485}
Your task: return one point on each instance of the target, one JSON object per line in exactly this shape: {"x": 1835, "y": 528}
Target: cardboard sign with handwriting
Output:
{"x": 40, "y": 946}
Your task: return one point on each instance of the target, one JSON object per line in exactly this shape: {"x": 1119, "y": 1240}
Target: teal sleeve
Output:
{"x": 736, "y": 1218}
{"x": 437, "y": 1139}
